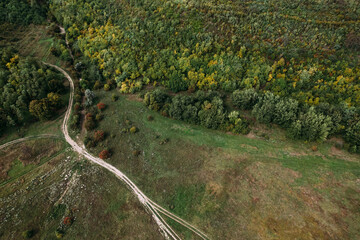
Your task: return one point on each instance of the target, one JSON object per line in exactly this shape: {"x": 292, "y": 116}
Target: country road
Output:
{"x": 27, "y": 138}
{"x": 150, "y": 206}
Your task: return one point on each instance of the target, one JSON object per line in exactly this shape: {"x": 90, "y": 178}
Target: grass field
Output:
{"x": 231, "y": 186}
{"x": 41, "y": 194}
{"x": 32, "y": 40}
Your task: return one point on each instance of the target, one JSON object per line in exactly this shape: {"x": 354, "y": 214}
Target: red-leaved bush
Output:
{"x": 101, "y": 106}
{"x": 67, "y": 221}
{"x": 99, "y": 136}
{"x": 104, "y": 154}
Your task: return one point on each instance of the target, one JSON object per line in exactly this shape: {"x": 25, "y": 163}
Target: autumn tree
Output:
{"x": 41, "y": 109}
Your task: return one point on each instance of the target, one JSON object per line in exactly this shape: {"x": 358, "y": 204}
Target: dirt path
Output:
{"x": 149, "y": 205}
{"x": 27, "y": 138}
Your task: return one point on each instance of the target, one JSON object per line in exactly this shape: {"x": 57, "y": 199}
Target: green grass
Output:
{"x": 231, "y": 186}
{"x": 19, "y": 168}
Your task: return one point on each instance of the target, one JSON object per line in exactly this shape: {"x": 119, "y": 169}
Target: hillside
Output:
{"x": 179, "y": 119}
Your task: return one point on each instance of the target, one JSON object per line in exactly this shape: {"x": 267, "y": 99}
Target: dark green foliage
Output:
{"x": 40, "y": 109}
{"x": 203, "y": 108}
{"x": 156, "y": 99}
{"x": 179, "y": 107}
{"x": 353, "y": 135}
{"x": 238, "y": 124}
{"x": 286, "y": 111}
{"x": 57, "y": 211}
{"x": 245, "y": 99}
{"x": 212, "y": 114}
{"x": 23, "y": 80}
{"x": 75, "y": 121}
{"x": 28, "y": 234}
{"x": 22, "y": 12}
{"x": 264, "y": 110}
{"x": 310, "y": 126}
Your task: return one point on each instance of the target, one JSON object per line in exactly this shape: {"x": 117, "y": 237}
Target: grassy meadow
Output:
{"x": 259, "y": 186}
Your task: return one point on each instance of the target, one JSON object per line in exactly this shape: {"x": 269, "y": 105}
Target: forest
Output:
{"x": 290, "y": 63}
{"x": 28, "y": 90}
{"x": 299, "y": 60}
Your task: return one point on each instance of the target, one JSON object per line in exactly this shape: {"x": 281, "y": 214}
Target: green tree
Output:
{"x": 245, "y": 99}
{"x": 212, "y": 114}
{"x": 41, "y": 109}
{"x": 264, "y": 110}
{"x": 311, "y": 126}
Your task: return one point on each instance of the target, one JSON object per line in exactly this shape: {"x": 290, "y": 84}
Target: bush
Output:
{"x": 310, "y": 126}
{"x": 99, "y": 136}
{"x": 106, "y": 87}
{"x": 77, "y": 107}
{"x": 264, "y": 110}
{"x": 136, "y": 153}
{"x": 133, "y": 129}
{"x": 75, "y": 120}
{"x": 155, "y": 100}
{"x": 68, "y": 221}
{"x": 101, "y": 106}
{"x": 28, "y": 234}
{"x": 104, "y": 154}
{"x": 89, "y": 122}
{"x": 99, "y": 117}
{"x": 59, "y": 233}
{"x": 212, "y": 114}
{"x": 114, "y": 97}
{"x": 238, "y": 125}
{"x": 245, "y": 99}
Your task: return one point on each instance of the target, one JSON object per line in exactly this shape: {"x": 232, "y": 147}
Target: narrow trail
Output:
{"x": 150, "y": 206}
{"x": 28, "y": 138}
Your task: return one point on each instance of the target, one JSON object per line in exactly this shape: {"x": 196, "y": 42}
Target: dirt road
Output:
{"x": 151, "y": 207}
{"x": 27, "y": 138}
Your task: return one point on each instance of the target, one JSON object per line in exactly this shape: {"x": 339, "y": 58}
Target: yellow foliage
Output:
{"x": 279, "y": 75}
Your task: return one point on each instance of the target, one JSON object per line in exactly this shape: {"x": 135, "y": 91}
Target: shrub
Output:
{"x": 238, "y": 125}
{"x": 114, "y": 97}
{"x": 28, "y": 234}
{"x": 68, "y": 221}
{"x": 264, "y": 110}
{"x": 97, "y": 85}
{"x": 99, "y": 136}
{"x": 99, "y": 117}
{"x": 89, "y": 96}
{"x": 245, "y": 99}
{"x": 133, "y": 129}
{"x": 101, "y": 106}
{"x": 104, "y": 154}
{"x": 54, "y": 51}
{"x": 212, "y": 114}
{"x": 310, "y": 126}
{"x": 59, "y": 233}
{"x": 155, "y": 100}
{"x": 106, "y": 87}
{"x": 89, "y": 122}
{"x": 136, "y": 153}
{"x": 77, "y": 107}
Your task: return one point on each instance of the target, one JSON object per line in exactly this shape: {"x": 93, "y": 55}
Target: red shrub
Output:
{"x": 67, "y": 220}
{"x": 101, "y": 106}
{"x": 99, "y": 136}
{"x": 104, "y": 154}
